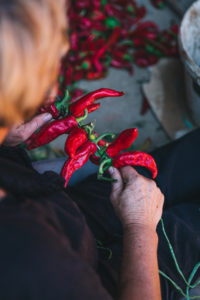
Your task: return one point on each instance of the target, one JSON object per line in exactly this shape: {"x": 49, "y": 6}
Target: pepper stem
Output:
{"x": 83, "y": 117}
{"x": 100, "y": 177}
{"x": 108, "y": 162}
{"x": 104, "y": 135}
{"x": 62, "y": 105}
{"x": 89, "y": 128}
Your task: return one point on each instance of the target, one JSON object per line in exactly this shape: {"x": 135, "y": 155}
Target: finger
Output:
{"x": 129, "y": 174}
{"x": 30, "y": 127}
{"x": 117, "y": 186}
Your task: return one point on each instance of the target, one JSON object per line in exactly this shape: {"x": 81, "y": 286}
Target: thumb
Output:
{"x": 36, "y": 123}
{"x": 117, "y": 186}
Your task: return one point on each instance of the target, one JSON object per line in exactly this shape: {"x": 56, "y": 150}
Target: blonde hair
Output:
{"x": 32, "y": 37}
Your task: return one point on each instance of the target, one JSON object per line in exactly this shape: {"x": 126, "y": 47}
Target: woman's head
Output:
{"x": 32, "y": 42}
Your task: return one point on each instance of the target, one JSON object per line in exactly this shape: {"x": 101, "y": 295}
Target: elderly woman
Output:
{"x": 49, "y": 234}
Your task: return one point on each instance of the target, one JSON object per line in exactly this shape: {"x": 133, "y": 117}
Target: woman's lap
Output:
{"x": 179, "y": 170}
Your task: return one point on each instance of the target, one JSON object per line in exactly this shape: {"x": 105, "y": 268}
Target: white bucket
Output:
{"x": 189, "y": 42}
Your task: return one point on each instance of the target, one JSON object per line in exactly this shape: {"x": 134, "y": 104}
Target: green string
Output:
{"x": 100, "y": 246}
{"x": 188, "y": 283}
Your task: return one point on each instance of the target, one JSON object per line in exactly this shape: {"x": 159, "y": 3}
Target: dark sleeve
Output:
{"x": 39, "y": 264}
{"x": 16, "y": 154}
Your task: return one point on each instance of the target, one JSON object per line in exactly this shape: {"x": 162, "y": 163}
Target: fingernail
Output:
{"x": 111, "y": 170}
{"x": 47, "y": 117}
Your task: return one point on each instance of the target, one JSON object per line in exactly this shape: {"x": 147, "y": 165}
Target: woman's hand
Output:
{"x": 138, "y": 201}
{"x": 20, "y": 133}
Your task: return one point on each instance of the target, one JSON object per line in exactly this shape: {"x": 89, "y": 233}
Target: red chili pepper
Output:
{"x": 78, "y": 75}
{"x": 138, "y": 42}
{"x": 95, "y": 75}
{"x": 76, "y": 95}
{"x": 158, "y": 3}
{"x": 146, "y": 25}
{"x": 145, "y": 106}
{"x": 78, "y": 107}
{"x": 51, "y": 131}
{"x": 96, "y": 4}
{"x": 68, "y": 76}
{"x": 174, "y": 29}
{"x": 52, "y": 110}
{"x": 74, "y": 41}
{"x": 122, "y": 142}
{"x": 50, "y": 107}
{"x": 136, "y": 158}
{"x": 73, "y": 164}
{"x": 76, "y": 138}
{"x": 95, "y": 159}
{"x": 98, "y": 16}
{"x": 85, "y": 23}
{"x": 122, "y": 65}
{"x": 112, "y": 40}
{"x": 81, "y": 4}
{"x": 144, "y": 59}
{"x": 140, "y": 13}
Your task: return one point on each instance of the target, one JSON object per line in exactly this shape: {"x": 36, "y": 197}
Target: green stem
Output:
{"x": 104, "y": 162}
{"x": 172, "y": 252}
{"x": 103, "y": 136}
{"x": 83, "y": 117}
{"x": 100, "y": 177}
{"x": 63, "y": 105}
{"x": 190, "y": 279}
{"x": 89, "y": 128}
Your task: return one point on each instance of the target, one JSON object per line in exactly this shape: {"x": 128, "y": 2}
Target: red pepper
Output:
{"x": 144, "y": 59}
{"x": 51, "y": 131}
{"x": 158, "y": 3}
{"x": 145, "y": 106}
{"x": 52, "y": 110}
{"x": 74, "y": 41}
{"x": 136, "y": 158}
{"x": 95, "y": 159}
{"x": 98, "y": 16}
{"x": 76, "y": 95}
{"x": 112, "y": 40}
{"x": 146, "y": 25}
{"x": 91, "y": 109}
{"x": 174, "y": 29}
{"x": 140, "y": 13}
{"x": 95, "y": 75}
{"x": 122, "y": 142}
{"x": 116, "y": 63}
{"x": 81, "y": 4}
{"x": 76, "y": 138}
{"x": 73, "y": 164}
{"x": 79, "y": 106}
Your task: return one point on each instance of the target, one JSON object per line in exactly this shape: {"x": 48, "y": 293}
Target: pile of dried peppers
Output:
{"x": 112, "y": 33}
{"x": 83, "y": 143}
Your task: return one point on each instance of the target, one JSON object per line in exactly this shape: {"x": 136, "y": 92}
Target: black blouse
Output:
{"x": 47, "y": 250}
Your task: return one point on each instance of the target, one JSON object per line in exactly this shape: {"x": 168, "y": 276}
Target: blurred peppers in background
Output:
{"x": 111, "y": 33}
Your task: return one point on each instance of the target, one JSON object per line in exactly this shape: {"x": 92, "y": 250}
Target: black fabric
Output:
{"x": 47, "y": 250}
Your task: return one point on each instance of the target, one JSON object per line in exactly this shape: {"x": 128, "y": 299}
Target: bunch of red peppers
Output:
{"x": 83, "y": 143}
{"x": 111, "y": 33}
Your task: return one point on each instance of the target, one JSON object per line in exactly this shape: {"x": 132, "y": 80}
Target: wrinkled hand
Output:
{"x": 137, "y": 200}
{"x": 20, "y": 133}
